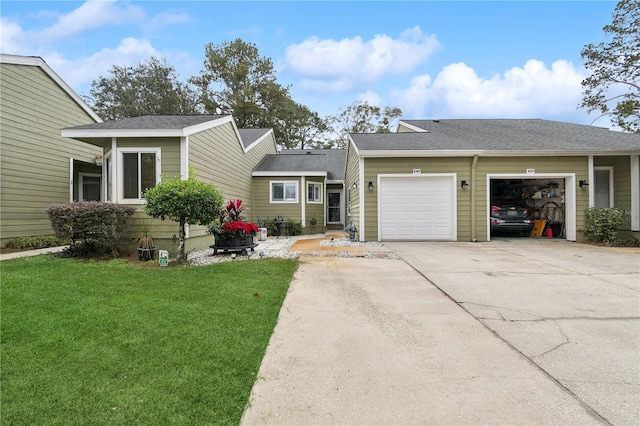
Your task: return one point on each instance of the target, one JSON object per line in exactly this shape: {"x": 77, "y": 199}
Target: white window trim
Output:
{"x": 107, "y": 177}
{"x": 285, "y": 183}
{"x": 119, "y": 172}
{"x": 314, "y": 185}
{"x": 81, "y": 177}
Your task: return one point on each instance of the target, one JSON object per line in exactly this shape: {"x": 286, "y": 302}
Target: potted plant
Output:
{"x": 230, "y": 231}
{"x": 146, "y": 246}
{"x": 313, "y": 222}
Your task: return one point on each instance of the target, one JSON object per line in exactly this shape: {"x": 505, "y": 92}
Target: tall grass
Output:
{"x": 89, "y": 343}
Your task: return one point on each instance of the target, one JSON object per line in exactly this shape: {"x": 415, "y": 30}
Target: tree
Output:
{"x": 236, "y": 80}
{"x": 188, "y": 201}
{"x": 360, "y": 117}
{"x": 149, "y": 88}
{"x": 301, "y": 127}
{"x": 613, "y": 88}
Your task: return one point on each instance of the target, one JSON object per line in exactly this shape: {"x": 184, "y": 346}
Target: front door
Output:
{"x": 334, "y": 206}
{"x": 90, "y": 187}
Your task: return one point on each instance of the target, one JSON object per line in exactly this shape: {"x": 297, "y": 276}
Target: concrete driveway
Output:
{"x": 485, "y": 333}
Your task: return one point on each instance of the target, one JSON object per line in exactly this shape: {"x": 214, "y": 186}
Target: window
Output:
{"x": 284, "y": 192}
{"x": 314, "y": 192}
{"x": 138, "y": 170}
{"x": 603, "y": 188}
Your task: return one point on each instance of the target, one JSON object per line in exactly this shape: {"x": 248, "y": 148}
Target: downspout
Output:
{"x": 303, "y": 200}
{"x": 474, "y": 164}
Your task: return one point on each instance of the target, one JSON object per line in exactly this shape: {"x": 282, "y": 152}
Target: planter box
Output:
{"x": 146, "y": 254}
{"x": 234, "y": 244}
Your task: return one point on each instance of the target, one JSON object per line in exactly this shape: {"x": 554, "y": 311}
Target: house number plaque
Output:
{"x": 417, "y": 171}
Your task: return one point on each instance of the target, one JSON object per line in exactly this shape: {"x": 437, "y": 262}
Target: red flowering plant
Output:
{"x": 231, "y": 224}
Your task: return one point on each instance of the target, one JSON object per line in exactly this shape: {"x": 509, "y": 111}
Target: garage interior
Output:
{"x": 528, "y": 208}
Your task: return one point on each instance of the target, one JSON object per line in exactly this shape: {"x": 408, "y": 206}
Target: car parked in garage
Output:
{"x": 511, "y": 220}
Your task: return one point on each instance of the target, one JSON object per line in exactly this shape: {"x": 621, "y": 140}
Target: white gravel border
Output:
{"x": 206, "y": 257}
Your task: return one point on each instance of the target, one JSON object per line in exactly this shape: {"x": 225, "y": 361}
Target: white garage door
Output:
{"x": 417, "y": 208}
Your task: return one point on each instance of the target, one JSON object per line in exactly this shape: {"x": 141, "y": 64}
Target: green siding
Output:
{"x": 621, "y": 181}
{"x": 263, "y": 206}
{"x": 220, "y": 159}
{"x": 352, "y": 195}
{"x": 265, "y": 209}
{"x": 35, "y": 161}
{"x": 462, "y": 167}
{"x": 404, "y": 129}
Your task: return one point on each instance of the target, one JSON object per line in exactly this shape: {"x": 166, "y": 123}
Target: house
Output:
{"x": 38, "y": 167}
{"x": 138, "y": 151}
{"x": 300, "y": 185}
{"x": 439, "y": 179}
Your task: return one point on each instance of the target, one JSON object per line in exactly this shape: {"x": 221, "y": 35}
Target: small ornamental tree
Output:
{"x": 188, "y": 201}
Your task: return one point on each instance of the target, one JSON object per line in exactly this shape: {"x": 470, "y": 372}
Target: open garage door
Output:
{"x": 417, "y": 208}
{"x": 532, "y": 206}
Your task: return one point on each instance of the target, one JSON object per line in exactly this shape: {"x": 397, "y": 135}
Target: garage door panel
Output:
{"x": 417, "y": 208}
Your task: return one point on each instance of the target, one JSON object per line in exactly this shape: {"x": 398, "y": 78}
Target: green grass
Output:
{"x": 88, "y": 343}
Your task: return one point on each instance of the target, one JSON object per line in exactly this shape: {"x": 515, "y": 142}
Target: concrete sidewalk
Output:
{"x": 29, "y": 253}
{"x": 371, "y": 341}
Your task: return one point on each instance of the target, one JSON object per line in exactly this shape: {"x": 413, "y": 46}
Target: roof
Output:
{"x": 296, "y": 162}
{"x": 251, "y": 136}
{"x": 497, "y": 137}
{"x": 147, "y": 124}
{"x": 36, "y": 61}
{"x": 336, "y": 160}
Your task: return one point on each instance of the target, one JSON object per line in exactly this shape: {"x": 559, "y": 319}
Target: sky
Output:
{"x": 431, "y": 59}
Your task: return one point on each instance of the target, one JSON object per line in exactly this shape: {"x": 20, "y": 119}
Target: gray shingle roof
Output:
{"x": 292, "y": 163}
{"x": 510, "y": 135}
{"x": 336, "y": 160}
{"x": 249, "y": 136}
{"x": 152, "y": 122}
{"x": 331, "y": 161}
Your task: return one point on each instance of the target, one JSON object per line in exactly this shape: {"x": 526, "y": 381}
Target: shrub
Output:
{"x": 34, "y": 243}
{"x": 603, "y": 223}
{"x": 98, "y": 226}
{"x": 270, "y": 224}
{"x": 293, "y": 228}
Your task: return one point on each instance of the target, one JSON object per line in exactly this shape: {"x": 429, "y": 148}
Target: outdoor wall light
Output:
{"x": 98, "y": 160}
{"x": 355, "y": 185}
{"x": 464, "y": 184}
{"x": 584, "y": 184}
{"x": 370, "y": 186}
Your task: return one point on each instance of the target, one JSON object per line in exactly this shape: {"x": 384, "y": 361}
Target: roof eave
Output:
{"x": 487, "y": 153}
{"x": 122, "y": 133}
{"x": 288, "y": 173}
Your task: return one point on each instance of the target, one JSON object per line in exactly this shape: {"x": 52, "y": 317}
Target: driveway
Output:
{"x": 484, "y": 333}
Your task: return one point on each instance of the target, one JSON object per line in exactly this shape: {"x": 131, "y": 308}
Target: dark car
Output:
{"x": 511, "y": 220}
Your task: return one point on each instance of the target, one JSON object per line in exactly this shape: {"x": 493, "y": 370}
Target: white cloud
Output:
{"x": 330, "y": 65}
{"x": 91, "y": 15}
{"x": 81, "y": 72}
{"x": 371, "y": 97}
{"x": 531, "y": 91}
{"x": 165, "y": 19}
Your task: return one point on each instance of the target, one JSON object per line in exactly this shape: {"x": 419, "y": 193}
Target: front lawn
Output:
{"x": 89, "y": 343}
